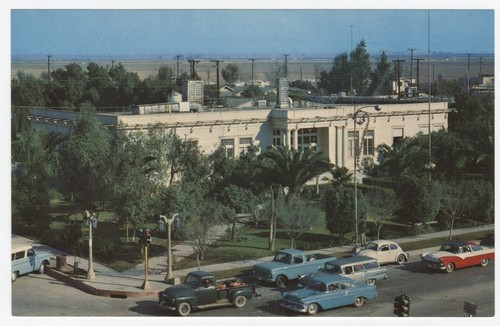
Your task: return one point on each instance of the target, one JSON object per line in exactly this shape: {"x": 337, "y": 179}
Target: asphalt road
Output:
{"x": 431, "y": 294}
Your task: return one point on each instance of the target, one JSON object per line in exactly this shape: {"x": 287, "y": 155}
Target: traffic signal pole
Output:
{"x": 402, "y": 305}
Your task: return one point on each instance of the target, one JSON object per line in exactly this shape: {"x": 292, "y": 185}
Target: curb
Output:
{"x": 97, "y": 291}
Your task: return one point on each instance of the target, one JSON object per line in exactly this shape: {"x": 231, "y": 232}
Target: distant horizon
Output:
{"x": 232, "y": 33}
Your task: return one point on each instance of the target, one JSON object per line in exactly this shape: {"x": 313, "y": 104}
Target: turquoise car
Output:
{"x": 327, "y": 291}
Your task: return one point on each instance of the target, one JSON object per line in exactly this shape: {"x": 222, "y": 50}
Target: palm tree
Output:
{"x": 292, "y": 168}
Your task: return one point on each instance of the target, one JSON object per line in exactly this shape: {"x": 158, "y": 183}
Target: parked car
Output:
{"x": 201, "y": 290}
{"x": 25, "y": 259}
{"x": 289, "y": 264}
{"x": 357, "y": 268}
{"x": 457, "y": 254}
{"x": 385, "y": 252}
{"x": 327, "y": 291}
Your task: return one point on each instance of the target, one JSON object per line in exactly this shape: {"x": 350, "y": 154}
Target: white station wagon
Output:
{"x": 385, "y": 251}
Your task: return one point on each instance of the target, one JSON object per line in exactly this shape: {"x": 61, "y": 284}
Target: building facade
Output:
{"x": 330, "y": 130}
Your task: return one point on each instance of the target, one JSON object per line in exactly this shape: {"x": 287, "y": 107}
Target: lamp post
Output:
{"x": 161, "y": 222}
{"x": 359, "y": 118}
{"x": 91, "y": 221}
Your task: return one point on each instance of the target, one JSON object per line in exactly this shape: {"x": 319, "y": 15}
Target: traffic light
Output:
{"x": 147, "y": 236}
{"x": 402, "y": 305}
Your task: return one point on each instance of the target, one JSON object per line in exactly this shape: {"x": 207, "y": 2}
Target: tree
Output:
{"x": 339, "y": 210}
{"x": 381, "y": 77}
{"x": 86, "y": 156}
{"x": 420, "y": 199}
{"x": 338, "y": 79}
{"x": 68, "y": 86}
{"x": 230, "y": 73}
{"x": 361, "y": 70}
{"x": 296, "y": 217}
{"x": 291, "y": 168}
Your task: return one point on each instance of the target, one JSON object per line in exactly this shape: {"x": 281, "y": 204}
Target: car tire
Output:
{"x": 183, "y": 309}
{"x": 450, "y": 267}
{"x": 312, "y": 309}
{"x": 484, "y": 262}
{"x": 41, "y": 269}
{"x": 281, "y": 281}
{"x": 240, "y": 301}
{"x": 358, "y": 302}
{"x": 401, "y": 259}
{"x": 14, "y": 276}
{"x": 370, "y": 281}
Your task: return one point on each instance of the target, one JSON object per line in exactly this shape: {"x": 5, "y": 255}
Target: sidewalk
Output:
{"x": 111, "y": 283}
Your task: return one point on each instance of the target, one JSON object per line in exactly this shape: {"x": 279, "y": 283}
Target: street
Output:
{"x": 431, "y": 294}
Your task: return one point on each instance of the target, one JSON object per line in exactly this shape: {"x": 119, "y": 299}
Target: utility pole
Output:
{"x": 480, "y": 64}
{"x": 468, "y": 72}
{"x": 398, "y": 74}
{"x": 192, "y": 65}
{"x": 48, "y": 65}
{"x": 418, "y": 74}
{"x": 253, "y": 60}
{"x": 177, "y": 71}
{"x": 286, "y": 65}
{"x": 217, "y": 66}
{"x": 411, "y": 64}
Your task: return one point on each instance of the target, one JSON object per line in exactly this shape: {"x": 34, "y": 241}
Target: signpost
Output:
{"x": 470, "y": 308}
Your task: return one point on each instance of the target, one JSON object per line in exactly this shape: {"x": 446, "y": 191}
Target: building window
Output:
{"x": 228, "y": 145}
{"x": 424, "y": 130}
{"x": 438, "y": 127}
{"x": 369, "y": 143}
{"x": 244, "y": 144}
{"x": 308, "y": 137}
{"x": 277, "y": 137}
{"x": 351, "y": 143}
{"x": 397, "y": 136}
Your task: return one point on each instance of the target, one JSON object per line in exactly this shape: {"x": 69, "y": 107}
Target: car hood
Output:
{"x": 368, "y": 253}
{"x": 300, "y": 294}
{"x": 270, "y": 266}
{"x": 178, "y": 291}
{"x": 436, "y": 255}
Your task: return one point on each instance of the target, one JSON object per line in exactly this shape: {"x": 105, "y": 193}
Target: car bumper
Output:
{"x": 162, "y": 305}
{"x": 292, "y": 305}
{"x": 433, "y": 265}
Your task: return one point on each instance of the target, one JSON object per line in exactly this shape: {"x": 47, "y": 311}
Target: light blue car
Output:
{"x": 327, "y": 291}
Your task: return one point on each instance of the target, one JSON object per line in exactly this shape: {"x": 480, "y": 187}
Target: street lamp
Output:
{"x": 359, "y": 118}
{"x": 161, "y": 224}
{"x": 91, "y": 221}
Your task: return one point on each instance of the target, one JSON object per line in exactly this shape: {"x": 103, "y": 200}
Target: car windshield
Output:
{"x": 283, "y": 258}
{"x": 450, "y": 248}
{"x": 317, "y": 286}
{"x": 334, "y": 269}
{"x": 192, "y": 280}
{"x": 372, "y": 246}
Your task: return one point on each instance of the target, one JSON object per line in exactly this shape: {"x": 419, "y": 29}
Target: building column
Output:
{"x": 336, "y": 146}
{"x": 296, "y": 139}
{"x": 343, "y": 145}
{"x": 288, "y": 138}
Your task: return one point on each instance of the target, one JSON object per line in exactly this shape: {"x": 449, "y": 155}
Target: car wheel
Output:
{"x": 370, "y": 281}
{"x": 450, "y": 267}
{"x": 312, "y": 309}
{"x": 401, "y": 259}
{"x": 281, "y": 281}
{"x": 484, "y": 262}
{"x": 14, "y": 276}
{"x": 359, "y": 302}
{"x": 240, "y": 301}
{"x": 184, "y": 309}
{"x": 41, "y": 270}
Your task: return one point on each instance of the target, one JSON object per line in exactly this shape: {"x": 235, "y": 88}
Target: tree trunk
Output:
{"x": 271, "y": 223}
{"x": 451, "y": 227}
{"x": 234, "y": 227}
{"x": 126, "y": 229}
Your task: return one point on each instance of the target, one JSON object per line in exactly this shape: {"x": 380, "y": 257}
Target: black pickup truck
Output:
{"x": 201, "y": 290}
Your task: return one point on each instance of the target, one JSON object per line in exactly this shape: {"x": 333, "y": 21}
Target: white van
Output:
{"x": 26, "y": 260}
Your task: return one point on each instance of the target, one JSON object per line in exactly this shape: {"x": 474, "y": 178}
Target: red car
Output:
{"x": 457, "y": 254}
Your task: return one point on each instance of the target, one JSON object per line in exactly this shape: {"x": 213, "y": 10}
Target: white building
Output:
{"x": 330, "y": 130}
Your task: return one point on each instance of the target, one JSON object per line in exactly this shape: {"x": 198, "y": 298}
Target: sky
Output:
{"x": 246, "y": 32}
